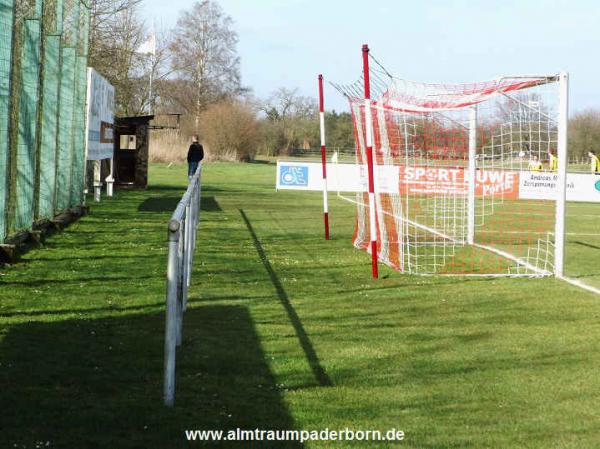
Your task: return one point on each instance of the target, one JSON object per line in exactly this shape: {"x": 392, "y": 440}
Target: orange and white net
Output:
{"x": 432, "y": 224}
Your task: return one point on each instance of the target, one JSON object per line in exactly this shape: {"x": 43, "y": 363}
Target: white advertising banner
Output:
{"x": 436, "y": 181}
{"x": 100, "y": 116}
{"x": 340, "y": 177}
{"x": 542, "y": 186}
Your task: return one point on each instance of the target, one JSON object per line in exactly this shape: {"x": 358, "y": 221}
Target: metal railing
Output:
{"x": 182, "y": 242}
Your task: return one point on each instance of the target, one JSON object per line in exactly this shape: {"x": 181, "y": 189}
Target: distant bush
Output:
{"x": 238, "y": 129}
{"x": 229, "y": 131}
{"x": 584, "y": 133}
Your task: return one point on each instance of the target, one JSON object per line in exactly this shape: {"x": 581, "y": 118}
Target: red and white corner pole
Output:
{"x": 369, "y": 143}
{"x": 323, "y": 158}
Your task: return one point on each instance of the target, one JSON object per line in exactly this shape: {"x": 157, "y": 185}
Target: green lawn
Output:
{"x": 287, "y": 331}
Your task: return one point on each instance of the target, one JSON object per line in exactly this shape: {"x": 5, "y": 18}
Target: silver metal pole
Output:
{"x": 182, "y": 242}
{"x": 97, "y": 182}
{"x": 199, "y": 199}
{"x": 180, "y": 282}
{"x": 191, "y": 240}
{"x": 186, "y": 255}
{"x": 561, "y": 182}
{"x": 171, "y": 315}
{"x": 179, "y": 309}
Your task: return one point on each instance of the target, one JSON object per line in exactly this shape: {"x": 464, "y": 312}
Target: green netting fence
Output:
{"x": 6, "y": 24}
{"x": 43, "y": 66}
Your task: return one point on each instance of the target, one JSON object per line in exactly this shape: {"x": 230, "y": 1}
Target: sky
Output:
{"x": 287, "y": 43}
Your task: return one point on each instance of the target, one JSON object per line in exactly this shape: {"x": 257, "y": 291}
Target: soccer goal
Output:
{"x": 478, "y": 173}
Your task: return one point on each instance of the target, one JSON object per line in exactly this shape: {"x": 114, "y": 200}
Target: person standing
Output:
{"x": 194, "y": 156}
{"x": 553, "y": 160}
{"x": 535, "y": 164}
{"x": 594, "y": 162}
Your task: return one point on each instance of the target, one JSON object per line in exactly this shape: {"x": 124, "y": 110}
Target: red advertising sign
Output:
{"x": 420, "y": 180}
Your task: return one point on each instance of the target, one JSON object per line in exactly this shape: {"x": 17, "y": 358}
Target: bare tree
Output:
{"x": 204, "y": 57}
{"x": 106, "y": 17}
{"x": 290, "y": 121}
{"x": 284, "y": 104}
{"x": 152, "y": 73}
{"x": 116, "y": 33}
{"x": 102, "y": 13}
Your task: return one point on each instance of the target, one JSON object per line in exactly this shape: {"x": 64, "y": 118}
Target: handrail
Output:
{"x": 182, "y": 231}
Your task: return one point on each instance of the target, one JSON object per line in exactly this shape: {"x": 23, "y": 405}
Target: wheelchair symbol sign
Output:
{"x": 294, "y": 176}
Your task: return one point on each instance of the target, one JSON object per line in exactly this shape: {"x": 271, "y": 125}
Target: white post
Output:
{"x": 561, "y": 181}
{"x": 323, "y": 157}
{"x": 472, "y": 174}
{"x": 110, "y": 180}
{"x": 150, "y": 87}
{"x": 88, "y": 96}
{"x": 97, "y": 181}
{"x": 171, "y": 315}
{"x": 187, "y": 254}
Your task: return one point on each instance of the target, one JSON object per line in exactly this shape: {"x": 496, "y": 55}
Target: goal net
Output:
{"x": 474, "y": 172}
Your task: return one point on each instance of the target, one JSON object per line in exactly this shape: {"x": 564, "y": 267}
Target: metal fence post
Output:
{"x": 180, "y": 280}
{"x": 182, "y": 242}
{"x": 186, "y": 256}
{"x": 171, "y": 314}
{"x": 197, "y": 205}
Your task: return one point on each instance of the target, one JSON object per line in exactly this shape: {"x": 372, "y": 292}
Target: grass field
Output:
{"x": 287, "y": 331}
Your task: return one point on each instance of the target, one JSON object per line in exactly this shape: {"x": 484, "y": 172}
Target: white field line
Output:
{"x": 568, "y": 215}
{"x": 514, "y": 259}
{"x": 581, "y": 203}
{"x": 576, "y": 234}
{"x": 583, "y": 234}
{"x": 583, "y": 285}
{"x": 571, "y": 281}
{"x": 413, "y": 223}
{"x": 453, "y": 240}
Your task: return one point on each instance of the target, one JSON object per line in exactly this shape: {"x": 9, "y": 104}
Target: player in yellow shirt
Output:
{"x": 553, "y": 161}
{"x": 535, "y": 164}
{"x": 594, "y": 162}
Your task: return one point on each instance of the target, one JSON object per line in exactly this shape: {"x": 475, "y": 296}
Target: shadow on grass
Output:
{"x": 79, "y": 280}
{"x": 588, "y": 245}
{"x": 98, "y": 383}
{"x": 113, "y": 309}
{"x": 114, "y": 257}
{"x": 261, "y": 162}
{"x": 169, "y": 203}
{"x": 181, "y": 188}
{"x": 210, "y": 204}
{"x": 311, "y": 355}
{"x": 122, "y": 309}
{"x": 166, "y": 187}
{"x": 159, "y": 204}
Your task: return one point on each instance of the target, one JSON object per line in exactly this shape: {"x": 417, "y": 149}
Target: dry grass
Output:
{"x": 168, "y": 146}
{"x": 228, "y": 131}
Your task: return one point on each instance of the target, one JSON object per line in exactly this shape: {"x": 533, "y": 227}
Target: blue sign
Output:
{"x": 598, "y": 186}
{"x": 291, "y": 175}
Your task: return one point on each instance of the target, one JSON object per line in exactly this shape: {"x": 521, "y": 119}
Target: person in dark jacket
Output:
{"x": 194, "y": 156}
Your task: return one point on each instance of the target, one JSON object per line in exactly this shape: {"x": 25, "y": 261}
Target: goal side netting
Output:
{"x": 433, "y": 140}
